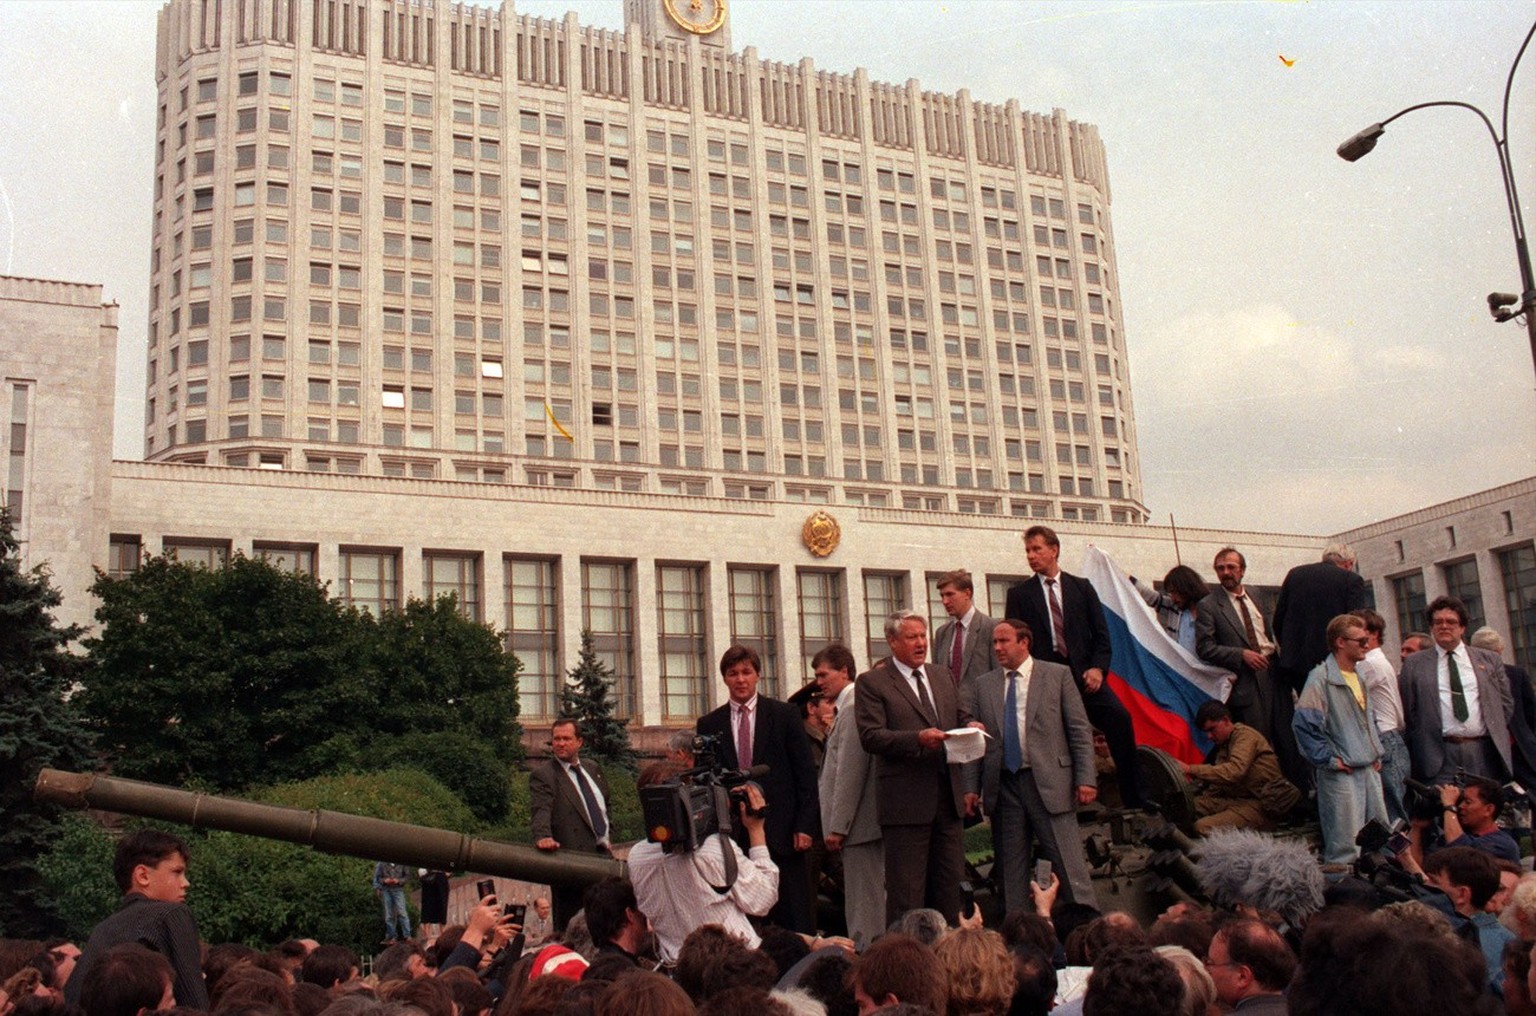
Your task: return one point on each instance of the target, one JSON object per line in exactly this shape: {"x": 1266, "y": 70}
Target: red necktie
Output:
{"x": 1058, "y": 623}
{"x": 954, "y": 651}
{"x": 744, "y": 738}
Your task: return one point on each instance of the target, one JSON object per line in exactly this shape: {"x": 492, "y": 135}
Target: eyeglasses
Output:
{"x": 1446, "y": 622}
{"x": 1364, "y": 641}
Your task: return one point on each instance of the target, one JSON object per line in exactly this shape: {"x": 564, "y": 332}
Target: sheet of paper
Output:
{"x": 964, "y": 744}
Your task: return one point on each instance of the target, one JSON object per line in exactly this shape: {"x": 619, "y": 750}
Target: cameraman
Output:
{"x": 678, "y": 891}
{"x": 1471, "y": 820}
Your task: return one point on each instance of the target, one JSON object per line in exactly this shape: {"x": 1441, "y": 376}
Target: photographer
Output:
{"x": 1470, "y": 820}
{"x": 677, "y": 891}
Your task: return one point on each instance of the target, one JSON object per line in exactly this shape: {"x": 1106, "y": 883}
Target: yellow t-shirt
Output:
{"x": 1353, "y": 680}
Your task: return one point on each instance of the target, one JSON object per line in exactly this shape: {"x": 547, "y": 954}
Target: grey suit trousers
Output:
{"x": 1021, "y": 814}
{"x": 864, "y": 890}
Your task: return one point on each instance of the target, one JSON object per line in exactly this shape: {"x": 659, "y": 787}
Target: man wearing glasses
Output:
{"x": 1337, "y": 734}
{"x": 1250, "y": 964}
{"x": 1456, "y": 703}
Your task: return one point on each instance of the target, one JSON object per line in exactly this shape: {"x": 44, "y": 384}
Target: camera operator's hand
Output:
{"x": 932, "y": 738}
{"x": 751, "y": 823}
{"x": 1450, "y": 827}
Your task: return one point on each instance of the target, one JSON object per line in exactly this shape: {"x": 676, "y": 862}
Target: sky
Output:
{"x": 1309, "y": 342}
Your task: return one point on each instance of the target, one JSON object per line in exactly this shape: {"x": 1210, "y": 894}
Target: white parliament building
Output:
{"x": 628, "y": 331}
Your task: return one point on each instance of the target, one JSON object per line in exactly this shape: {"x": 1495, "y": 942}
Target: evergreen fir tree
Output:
{"x": 588, "y": 697}
{"x": 39, "y": 729}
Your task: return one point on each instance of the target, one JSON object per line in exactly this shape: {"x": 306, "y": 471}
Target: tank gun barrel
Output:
{"x": 330, "y": 831}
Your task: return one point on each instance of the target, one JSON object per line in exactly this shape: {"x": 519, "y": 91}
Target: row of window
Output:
{"x": 1517, "y": 574}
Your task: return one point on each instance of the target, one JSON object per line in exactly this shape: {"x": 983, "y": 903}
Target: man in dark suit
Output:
{"x": 568, "y": 799}
{"x": 964, "y": 642}
{"x": 1310, "y": 597}
{"x": 1234, "y": 631}
{"x": 903, "y": 707}
{"x": 1038, "y": 767}
{"x": 1473, "y": 734}
{"x": 1066, "y": 612}
{"x": 755, "y": 730}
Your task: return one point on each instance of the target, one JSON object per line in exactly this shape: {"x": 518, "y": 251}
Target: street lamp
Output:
{"x": 1503, "y": 306}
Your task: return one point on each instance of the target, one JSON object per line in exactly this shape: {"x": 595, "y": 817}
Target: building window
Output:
{"x": 997, "y": 593}
{"x": 533, "y": 635}
{"x": 203, "y": 553}
{"x": 370, "y": 579}
{"x": 608, "y": 612}
{"x": 755, "y": 621}
{"x": 822, "y": 613}
{"x": 123, "y": 555}
{"x": 1408, "y": 595}
{"x": 884, "y": 594}
{"x": 16, "y": 457}
{"x": 298, "y": 558}
{"x": 459, "y": 574}
{"x": 1461, "y": 582}
{"x": 681, "y": 633}
{"x": 1517, "y": 566}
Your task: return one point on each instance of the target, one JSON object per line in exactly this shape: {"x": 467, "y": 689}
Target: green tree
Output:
{"x": 588, "y": 696}
{"x": 226, "y": 677}
{"x": 38, "y": 729}
{"x": 432, "y": 669}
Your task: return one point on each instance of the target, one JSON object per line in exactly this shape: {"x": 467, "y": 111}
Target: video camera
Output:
{"x": 683, "y": 812}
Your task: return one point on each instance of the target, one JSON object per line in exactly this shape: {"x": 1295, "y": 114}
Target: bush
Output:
{"x": 464, "y": 765}
{"x": 77, "y": 874}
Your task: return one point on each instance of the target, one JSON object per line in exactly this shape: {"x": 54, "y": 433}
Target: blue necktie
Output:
{"x": 594, "y": 812}
{"x": 1013, "y": 752}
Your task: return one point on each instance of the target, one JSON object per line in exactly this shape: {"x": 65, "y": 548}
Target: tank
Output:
{"x": 330, "y": 831}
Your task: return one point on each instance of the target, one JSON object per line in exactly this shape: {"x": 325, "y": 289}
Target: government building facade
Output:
{"x": 621, "y": 331}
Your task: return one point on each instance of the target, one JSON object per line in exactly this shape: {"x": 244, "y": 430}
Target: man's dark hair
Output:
{"x": 126, "y": 979}
{"x": 1374, "y": 623}
{"x": 1211, "y": 711}
{"x": 1242, "y": 562}
{"x": 389, "y": 965}
{"x": 246, "y": 986}
{"x": 738, "y": 654}
{"x": 329, "y": 965}
{"x": 711, "y": 960}
{"x": 826, "y": 980}
{"x": 1440, "y": 603}
{"x": 1489, "y": 792}
{"x": 1134, "y": 980}
{"x": 782, "y": 946}
{"x": 429, "y": 994}
{"x": 1045, "y": 533}
{"x": 1105, "y": 936}
{"x": 901, "y": 966}
{"x": 1351, "y": 963}
{"x": 310, "y": 999}
{"x": 567, "y": 721}
{"x": 1034, "y": 981}
{"x": 1025, "y": 927}
{"x": 1466, "y": 866}
{"x": 1187, "y": 583}
{"x": 1020, "y": 628}
{"x": 838, "y": 657}
{"x": 291, "y": 949}
{"x": 221, "y": 958}
{"x": 1260, "y": 948}
{"x": 444, "y": 944}
{"x": 1193, "y": 930}
{"x": 468, "y": 993}
{"x": 607, "y": 904}
{"x": 960, "y": 579}
{"x": 147, "y": 847}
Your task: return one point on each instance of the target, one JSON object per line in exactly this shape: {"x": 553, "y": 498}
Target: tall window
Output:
{"x": 206, "y": 553}
{"x": 459, "y": 574}
{"x": 123, "y": 555}
{"x": 680, "y": 626}
{"x": 937, "y": 615}
{"x": 884, "y": 594}
{"x": 1461, "y": 582}
{"x": 1517, "y": 566}
{"x": 608, "y": 612}
{"x": 997, "y": 593}
{"x": 755, "y": 621}
{"x": 821, "y": 613}
{"x": 1408, "y": 594}
{"x": 533, "y": 635}
{"x": 295, "y": 557}
{"x": 370, "y": 579}
{"x": 16, "y": 441}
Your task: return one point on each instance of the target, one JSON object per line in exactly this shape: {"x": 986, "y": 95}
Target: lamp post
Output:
{"x": 1503, "y": 306}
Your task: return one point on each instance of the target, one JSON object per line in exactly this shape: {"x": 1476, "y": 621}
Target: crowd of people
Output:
{"x": 870, "y": 778}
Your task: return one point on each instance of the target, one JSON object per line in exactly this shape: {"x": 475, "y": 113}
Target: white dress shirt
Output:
{"x": 1473, "y": 725}
{"x": 1381, "y": 690}
{"x": 1021, "y": 712}
{"x": 1266, "y": 644}
{"x": 571, "y": 773}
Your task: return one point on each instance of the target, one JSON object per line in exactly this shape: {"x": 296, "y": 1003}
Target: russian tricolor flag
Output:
{"x": 1158, "y": 680}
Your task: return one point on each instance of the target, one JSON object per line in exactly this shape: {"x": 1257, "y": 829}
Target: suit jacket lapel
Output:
{"x": 911, "y": 696}
{"x": 577, "y": 801}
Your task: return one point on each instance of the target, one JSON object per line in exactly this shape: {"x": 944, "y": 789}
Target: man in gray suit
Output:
{"x": 1456, "y": 703}
{"x": 1234, "y": 632}
{"x": 850, "y": 823}
{"x": 1038, "y": 767}
{"x": 569, "y": 808}
{"x": 964, "y": 642}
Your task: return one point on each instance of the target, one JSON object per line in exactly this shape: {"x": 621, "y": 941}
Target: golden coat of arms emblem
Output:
{"x": 821, "y": 533}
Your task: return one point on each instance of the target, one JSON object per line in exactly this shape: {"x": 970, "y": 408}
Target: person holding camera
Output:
{"x": 1471, "y": 815}
{"x": 684, "y": 890}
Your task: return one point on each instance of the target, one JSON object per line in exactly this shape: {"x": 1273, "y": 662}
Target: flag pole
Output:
{"x": 1177, "y": 558}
